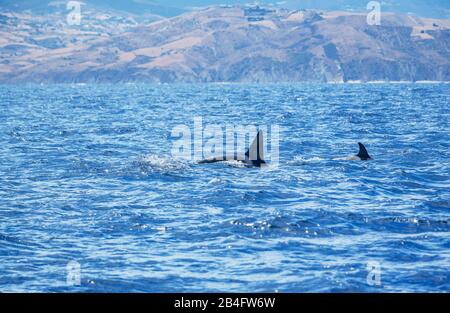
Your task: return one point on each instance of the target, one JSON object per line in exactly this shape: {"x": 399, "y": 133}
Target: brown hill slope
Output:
{"x": 235, "y": 44}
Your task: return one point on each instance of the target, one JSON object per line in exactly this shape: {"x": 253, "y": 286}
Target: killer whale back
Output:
{"x": 255, "y": 153}
{"x": 253, "y": 157}
{"x": 363, "y": 154}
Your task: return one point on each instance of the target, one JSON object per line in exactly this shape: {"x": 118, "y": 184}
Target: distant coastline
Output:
{"x": 224, "y": 44}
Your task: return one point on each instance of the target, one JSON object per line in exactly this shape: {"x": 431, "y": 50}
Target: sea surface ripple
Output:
{"x": 86, "y": 175}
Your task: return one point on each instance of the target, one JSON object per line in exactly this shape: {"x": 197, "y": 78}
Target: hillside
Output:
{"x": 224, "y": 44}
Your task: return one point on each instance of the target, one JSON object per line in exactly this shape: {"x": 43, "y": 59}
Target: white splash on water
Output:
{"x": 157, "y": 162}
{"x": 299, "y": 160}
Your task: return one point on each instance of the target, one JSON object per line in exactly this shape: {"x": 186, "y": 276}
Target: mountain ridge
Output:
{"x": 233, "y": 44}
{"x": 430, "y": 8}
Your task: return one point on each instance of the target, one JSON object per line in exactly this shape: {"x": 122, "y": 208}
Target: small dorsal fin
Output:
{"x": 363, "y": 154}
{"x": 256, "y": 151}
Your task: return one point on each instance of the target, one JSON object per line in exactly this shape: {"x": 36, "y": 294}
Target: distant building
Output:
{"x": 255, "y": 18}
{"x": 256, "y": 13}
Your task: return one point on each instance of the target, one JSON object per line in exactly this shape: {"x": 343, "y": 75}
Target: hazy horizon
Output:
{"x": 435, "y": 8}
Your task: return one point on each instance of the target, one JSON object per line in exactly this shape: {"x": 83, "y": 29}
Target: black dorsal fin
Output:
{"x": 256, "y": 151}
{"x": 363, "y": 154}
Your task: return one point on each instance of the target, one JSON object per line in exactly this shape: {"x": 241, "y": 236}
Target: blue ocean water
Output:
{"x": 86, "y": 176}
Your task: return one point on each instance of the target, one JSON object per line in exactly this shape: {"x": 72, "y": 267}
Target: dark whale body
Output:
{"x": 254, "y": 157}
{"x": 363, "y": 155}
